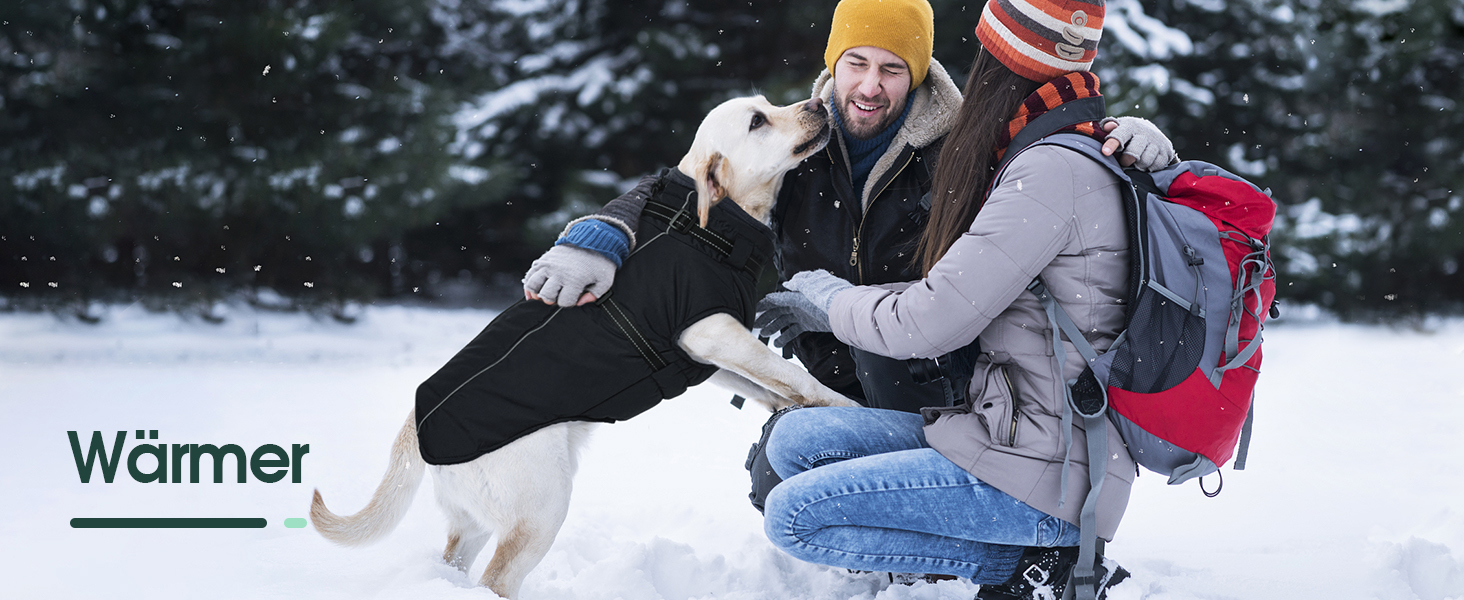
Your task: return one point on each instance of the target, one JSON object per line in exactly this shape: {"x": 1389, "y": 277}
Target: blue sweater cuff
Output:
{"x": 602, "y": 237}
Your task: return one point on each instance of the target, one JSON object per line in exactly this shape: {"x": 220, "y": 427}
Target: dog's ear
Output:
{"x": 711, "y": 173}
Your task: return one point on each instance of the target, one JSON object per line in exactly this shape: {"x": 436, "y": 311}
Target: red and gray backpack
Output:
{"x": 1179, "y": 381}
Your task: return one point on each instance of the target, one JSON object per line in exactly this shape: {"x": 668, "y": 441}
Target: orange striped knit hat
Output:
{"x": 1042, "y": 39}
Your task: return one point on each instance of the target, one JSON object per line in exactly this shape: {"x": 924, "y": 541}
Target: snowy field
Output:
{"x": 1355, "y": 487}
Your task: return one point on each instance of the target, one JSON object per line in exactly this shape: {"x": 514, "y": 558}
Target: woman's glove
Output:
{"x": 1141, "y": 140}
{"x": 569, "y": 276}
{"x": 805, "y": 307}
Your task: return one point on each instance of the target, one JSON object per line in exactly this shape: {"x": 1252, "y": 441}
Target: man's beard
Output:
{"x": 863, "y": 130}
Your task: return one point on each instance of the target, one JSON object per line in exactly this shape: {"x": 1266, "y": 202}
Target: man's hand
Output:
{"x": 569, "y": 276}
{"x": 1142, "y": 144}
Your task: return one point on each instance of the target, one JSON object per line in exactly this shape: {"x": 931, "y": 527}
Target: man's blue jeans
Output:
{"x": 862, "y": 490}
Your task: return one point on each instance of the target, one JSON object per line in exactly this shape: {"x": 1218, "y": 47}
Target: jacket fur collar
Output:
{"x": 932, "y": 115}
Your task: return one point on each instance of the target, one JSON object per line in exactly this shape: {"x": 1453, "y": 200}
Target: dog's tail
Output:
{"x": 387, "y": 506}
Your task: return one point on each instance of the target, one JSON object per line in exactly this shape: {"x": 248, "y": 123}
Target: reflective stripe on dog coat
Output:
{"x": 536, "y": 365}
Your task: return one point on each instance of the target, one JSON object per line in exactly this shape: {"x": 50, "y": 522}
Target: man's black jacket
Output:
{"x": 820, "y": 225}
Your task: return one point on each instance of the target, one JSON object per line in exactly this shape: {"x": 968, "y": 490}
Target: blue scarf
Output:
{"x": 864, "y": 153}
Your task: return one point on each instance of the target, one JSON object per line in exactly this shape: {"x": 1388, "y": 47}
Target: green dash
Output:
{"x": 295, "y": 523}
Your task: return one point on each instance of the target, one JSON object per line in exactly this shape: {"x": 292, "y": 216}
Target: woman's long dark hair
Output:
{"x": 992, "y": 96}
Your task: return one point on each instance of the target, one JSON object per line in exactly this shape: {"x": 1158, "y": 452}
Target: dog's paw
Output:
{"x": 830, "y": 398}
{"x": 773, "y": 403}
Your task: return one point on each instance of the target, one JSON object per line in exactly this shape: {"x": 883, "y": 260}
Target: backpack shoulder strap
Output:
{"x": 1076, "y": 142}
{"x": 1136, "y": 186}
{"x": 1094, "y": 411}
{"x": 1088, "y": 147}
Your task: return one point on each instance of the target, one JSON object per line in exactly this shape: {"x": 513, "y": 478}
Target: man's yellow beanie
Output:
{"x": 904, "y": 27}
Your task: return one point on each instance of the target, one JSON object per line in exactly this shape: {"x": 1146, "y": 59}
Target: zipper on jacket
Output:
{"x": 1016, "y": 414}
{"x": 864, "y": 215}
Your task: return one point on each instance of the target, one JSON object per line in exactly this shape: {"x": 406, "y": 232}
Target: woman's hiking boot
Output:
{"x": 1042, "y": 574}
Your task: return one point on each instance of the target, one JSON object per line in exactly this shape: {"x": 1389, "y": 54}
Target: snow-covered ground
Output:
{"x": 1354, "y": 488}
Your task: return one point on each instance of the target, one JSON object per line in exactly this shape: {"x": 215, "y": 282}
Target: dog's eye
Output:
{"x": 758, "y": 120}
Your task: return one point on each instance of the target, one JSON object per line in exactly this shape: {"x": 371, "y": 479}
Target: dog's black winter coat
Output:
{"x": 536, "y": 365}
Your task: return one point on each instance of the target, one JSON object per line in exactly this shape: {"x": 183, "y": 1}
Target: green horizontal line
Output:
{"x": 164, "y": 523}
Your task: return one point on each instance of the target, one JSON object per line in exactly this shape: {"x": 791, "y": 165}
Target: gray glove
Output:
{"x": 565, "y": 272}
{"x": 805, "y": 308}
{"x": 787, "y": 315}
{"x": 1142, "y": 140}
{"x": 820, "y": 287}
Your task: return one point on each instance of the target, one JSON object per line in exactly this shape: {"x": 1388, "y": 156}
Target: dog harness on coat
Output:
{"x": 536, "y": 365}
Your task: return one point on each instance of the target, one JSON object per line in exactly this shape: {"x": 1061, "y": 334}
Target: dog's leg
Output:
{"x": 459, "y": 492}
{"x": 462, "y": 548}
{"x": 523, "y": 544}
{"x": 722, "y": 341}
{"x": 744, "y": 387}
{"x": 465, "y": 539}
{"x": 519, "y": 551}
{"x": 450, "y": 553}
{"x": 525, "y": 489}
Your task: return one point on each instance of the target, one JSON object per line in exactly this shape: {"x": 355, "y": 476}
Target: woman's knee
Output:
{"x": 793, "y": 439}
{"x": 813, "y": 437}
{"x": 778, "y": 516}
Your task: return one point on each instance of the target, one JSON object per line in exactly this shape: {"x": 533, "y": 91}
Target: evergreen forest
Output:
{"x": 314, "y": 155}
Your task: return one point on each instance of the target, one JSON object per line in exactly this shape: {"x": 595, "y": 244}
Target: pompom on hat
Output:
{"x": 1042, "y": 39}
{"x": 904, "y": 27}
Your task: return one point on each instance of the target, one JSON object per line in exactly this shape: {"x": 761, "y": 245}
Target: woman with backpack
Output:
{"x": 991, "y": 490}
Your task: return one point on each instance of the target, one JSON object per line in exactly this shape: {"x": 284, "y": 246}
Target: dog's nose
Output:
{"x": 813, "y": 105}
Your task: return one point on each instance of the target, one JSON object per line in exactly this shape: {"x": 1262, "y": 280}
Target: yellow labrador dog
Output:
{"x": 520, "y": 490}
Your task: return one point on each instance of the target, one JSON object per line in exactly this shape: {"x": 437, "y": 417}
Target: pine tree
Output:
{"x": 180, "y": 150}
{"x": 1344, "y": 109}
{"x": 588, "y": 95}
